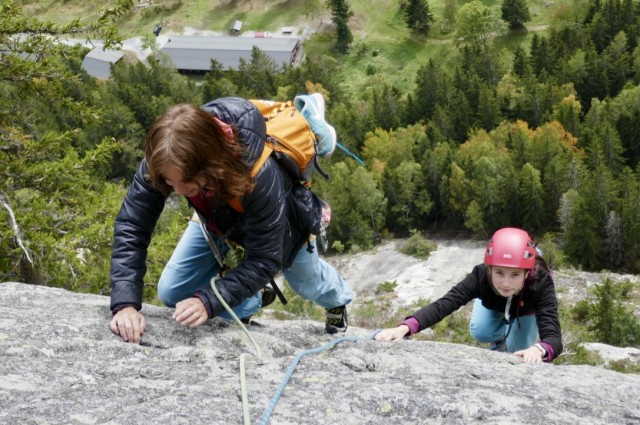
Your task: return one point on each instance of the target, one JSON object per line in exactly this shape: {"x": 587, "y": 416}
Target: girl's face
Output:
{"x": 174, "y": 178}
{"x": 507, "y": 280}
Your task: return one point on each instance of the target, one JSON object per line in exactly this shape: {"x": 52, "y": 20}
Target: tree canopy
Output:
{"x": 546, "y": 140}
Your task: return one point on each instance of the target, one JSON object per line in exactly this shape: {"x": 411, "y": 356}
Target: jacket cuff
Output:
{"x": 205, "y": 300}
{"x": 549, "y": 350}
{"x": 413, "y": 324}
{"x": 119, "y": 307}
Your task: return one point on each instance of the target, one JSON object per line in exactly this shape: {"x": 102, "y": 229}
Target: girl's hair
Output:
{"x": 189, "y": 139}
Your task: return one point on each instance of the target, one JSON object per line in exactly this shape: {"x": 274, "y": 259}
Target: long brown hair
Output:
{"x": 190, "y": 139}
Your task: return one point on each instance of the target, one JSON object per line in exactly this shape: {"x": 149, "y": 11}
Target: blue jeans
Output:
{"x": 489, "y": 326}
{"x": 192, "y": 266}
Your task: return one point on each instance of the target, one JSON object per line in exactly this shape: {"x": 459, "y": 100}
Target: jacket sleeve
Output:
{"x": 458, "y": 296}
{"x": 547, "y": 314}
{"x": 134, "y": 225}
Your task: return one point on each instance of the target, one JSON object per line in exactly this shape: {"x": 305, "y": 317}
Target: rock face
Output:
{"x": 60, "y": 364}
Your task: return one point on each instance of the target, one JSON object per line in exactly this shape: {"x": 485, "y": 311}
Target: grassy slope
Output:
{"x": 378, "y": 24}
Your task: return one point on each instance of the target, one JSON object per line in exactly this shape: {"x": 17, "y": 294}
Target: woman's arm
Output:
{"x": 133, "y": 227}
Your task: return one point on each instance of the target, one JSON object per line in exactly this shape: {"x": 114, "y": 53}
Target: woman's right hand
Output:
{"x": 130, "y": 324}
{"x": 392, "y": 334}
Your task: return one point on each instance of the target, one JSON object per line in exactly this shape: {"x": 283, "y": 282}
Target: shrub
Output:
{"x": 418, "y": 246}
{"x": 385, "y": 287}
{"x": 551, "y": 251}
{"x": 576, "y": 354}
{"x": 608, "y": 320}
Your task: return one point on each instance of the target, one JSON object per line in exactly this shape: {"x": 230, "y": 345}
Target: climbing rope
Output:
{"x": 351, "y": 154}
{"x": 243, "y": 382}
{"x": 272, "y": 404}
{"x": 243, "y": 379}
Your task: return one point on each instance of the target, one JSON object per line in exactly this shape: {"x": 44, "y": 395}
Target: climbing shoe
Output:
{"x": 499, "y": 346}
{"x": 268, "y": 296}
{"x": 336, "y": 320}
{"x": 312, "y": 106}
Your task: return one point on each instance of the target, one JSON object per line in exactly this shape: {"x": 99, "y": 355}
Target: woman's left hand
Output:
{"x": 190, "y": 312}
{"x": 530, "y": 355}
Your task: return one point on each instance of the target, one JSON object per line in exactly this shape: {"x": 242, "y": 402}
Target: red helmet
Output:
{"x": 510, "y": 247}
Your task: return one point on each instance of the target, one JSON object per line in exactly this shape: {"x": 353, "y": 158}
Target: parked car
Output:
{"x": 263, "y": 34}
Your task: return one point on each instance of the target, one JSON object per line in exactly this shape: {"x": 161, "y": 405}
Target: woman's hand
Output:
{"x": 190, "y": 312}
{"x": 130, "y": 324}
{"x": 392, "y": 334}
{"x": 530, "y": 355}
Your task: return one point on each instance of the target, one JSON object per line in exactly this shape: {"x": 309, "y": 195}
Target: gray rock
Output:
{"x": 60, "y": 364}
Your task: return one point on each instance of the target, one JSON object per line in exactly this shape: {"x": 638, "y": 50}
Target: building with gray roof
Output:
{"x": 98, "y": 62}
{"x": 193, "y": 54}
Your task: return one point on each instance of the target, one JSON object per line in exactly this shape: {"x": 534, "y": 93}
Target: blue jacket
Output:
{"x": 264, "y": 230}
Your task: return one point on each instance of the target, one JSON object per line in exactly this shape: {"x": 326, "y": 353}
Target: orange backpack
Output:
{"x": 289, "y": 139}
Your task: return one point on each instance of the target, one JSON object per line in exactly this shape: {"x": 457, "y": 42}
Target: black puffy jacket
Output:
{"x": 264, "y": 230}
{"x": 538, "y": 296}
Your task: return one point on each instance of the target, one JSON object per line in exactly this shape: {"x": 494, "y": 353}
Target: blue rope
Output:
{"x": 351, "y": 154}
{"x": 272, "y": 404}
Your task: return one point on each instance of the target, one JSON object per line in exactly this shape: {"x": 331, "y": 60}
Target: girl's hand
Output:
{"x": 530, "y": 355}
{"x": 392, "y": 334}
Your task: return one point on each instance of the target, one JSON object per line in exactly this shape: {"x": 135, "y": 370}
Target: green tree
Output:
{"x": 256, "y": 78}
{"x": 477, "y": 24}
{"x": 626, "y": 108}
{"x": 630, "y": 217}
{"x": 601, "y": 189}
{"x": 612, "y": 322}
{"x": 488, "y": 109}
{"x": 48, "y": 190}
{"x": 407, "y": 196}
{"x": 430, "y": 90}
{"x": 531, "y": 197}
{"x": 390, "y": 155}
{"x": 613, "y": 242}
{"x": 605, "y": 148}
{"x": 568, "y": 113}
{"x": 386, "y": 106}
{"x": 148, "y": 90}
{"x": 390, "y": 148}
{"x": 580, "y": 230}
{"x": 475, "y": 219}
{"x": 359, "y": 215}
{"x": 541, "y": 55}
{"x": 489, "y": 168}
{"x": 352, "y": 120}
{"x": 217, "y": 83}
{"x": 515, "y": 13}
{"x": 417, "y": 15}
{"x": 617, "y": 60}
{"x": 458, "y": 188}
{"x": 521, "y": 64}
{"x": 341, "y": 13}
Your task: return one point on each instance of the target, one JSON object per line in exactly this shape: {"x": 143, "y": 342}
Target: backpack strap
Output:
{"x": 236, "y": 203}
